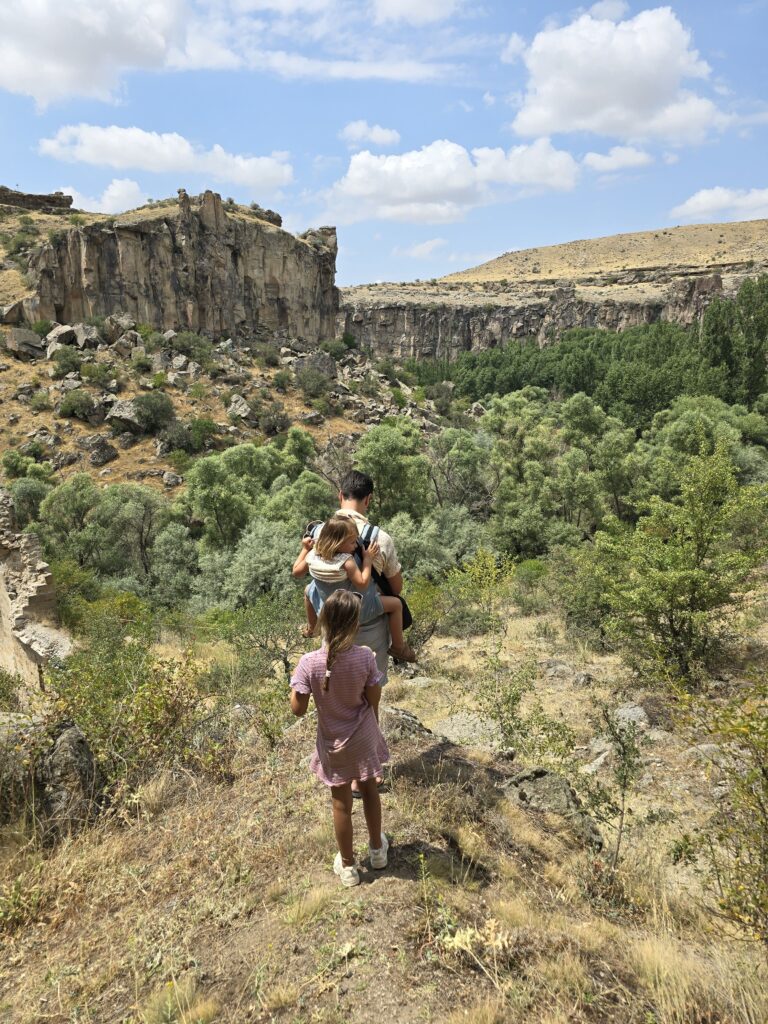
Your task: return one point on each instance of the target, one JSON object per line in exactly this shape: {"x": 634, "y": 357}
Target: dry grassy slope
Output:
{"x": 699, "y": 245}
{"x": 599, "y": 267}
{"x": 228, "y": 889}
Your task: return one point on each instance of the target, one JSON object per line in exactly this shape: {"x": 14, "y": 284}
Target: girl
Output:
{"x": 344, "y": 681}
{"x": 330, "y": 562}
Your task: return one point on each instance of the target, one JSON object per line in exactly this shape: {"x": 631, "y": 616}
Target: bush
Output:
{"x": 99, "y": 374}
{"x": 313, "y": 382}
{"x": 154, "y": 411}
{"x": 27, "y": 495}
{"x": 399, "y": 398}
{"x": 528, "y": 591}
{"x": 189, "y": 437}
{"x": 282, "y": 380}
{"x": 42, "y": 327}
{"x": 40, "y": 401}
{"x": 336, "y": 348}
{"x": 66, "y": 360}
{"x": 274, "y": 420}
{"x": 77, "y": 404}
{"x": 195, "y": 346}
{"x": 349, "y": 341}
{"x": 142, "y": 364}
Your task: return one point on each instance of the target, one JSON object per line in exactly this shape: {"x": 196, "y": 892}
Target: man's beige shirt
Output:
{"x": 386, "y": 562}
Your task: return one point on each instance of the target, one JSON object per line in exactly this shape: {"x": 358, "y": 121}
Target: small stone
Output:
{"x": 172, "y": 479}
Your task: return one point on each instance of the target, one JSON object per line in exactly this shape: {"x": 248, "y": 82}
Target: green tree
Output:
{"x": 391, "y": 454}
{"x": 65, "y": 519}
{"x": 670, "y": 582}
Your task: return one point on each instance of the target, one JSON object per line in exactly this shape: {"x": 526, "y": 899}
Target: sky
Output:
{"x": 435, "y": 134}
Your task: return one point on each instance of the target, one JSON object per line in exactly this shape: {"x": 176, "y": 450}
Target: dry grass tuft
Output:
{"x": 280, "y": 997}
{"x": 178, "y": 1003}
{"x": 489, "y": 1011}
{"x": 309, "y": 906}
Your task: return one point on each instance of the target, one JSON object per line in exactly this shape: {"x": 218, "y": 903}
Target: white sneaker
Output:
{"x": 378, "y": 857}
{"x": 348, "y": 874}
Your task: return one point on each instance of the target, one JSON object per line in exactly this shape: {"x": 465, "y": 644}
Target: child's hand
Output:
{"x": 371, "y": 553}
{"x": 307, "y": 543}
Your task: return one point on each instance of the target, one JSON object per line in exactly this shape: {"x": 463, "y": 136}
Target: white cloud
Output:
{"x": 421, "y": 250}
{"x": 162, "y": 153}
{"x": 50, "y": 49}
{"x": 611, "y": 10}
{"x": 514, "y": 49}
{"x": 441, "y": 181}
{"x": 623, "y": 80}
{"x": 671, "y": 158}
{"x": 724, "y": 204}
{"x": 356, "y": 133}
{"x": 389, "y": 69}
{"x": 414, "y": 12}
{"x": 119, "y": 195}
{"x": 489, "y": 99}
{"x": 619, "y": 158}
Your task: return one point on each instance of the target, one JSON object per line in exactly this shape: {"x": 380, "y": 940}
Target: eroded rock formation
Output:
{"x": 192, "y": 266}
{"x": 441, "y": 324}
{"x": 55, "y": 202}
{"x": 29, "y": 631}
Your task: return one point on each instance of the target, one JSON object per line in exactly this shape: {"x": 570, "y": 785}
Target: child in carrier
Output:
{"x": 345, "y": 683}
{"x": 330, "y": 562}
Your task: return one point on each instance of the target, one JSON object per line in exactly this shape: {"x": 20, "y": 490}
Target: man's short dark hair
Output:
{"x": 356, "y": 485}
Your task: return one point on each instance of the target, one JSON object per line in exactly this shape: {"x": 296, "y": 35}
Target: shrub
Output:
{"x": 42, "y": 327}
{"x": 349, "y": 341}
{"x": 195, "y": 346}
{"x": 40, "y": 401}
{"x": 77, "y": 404}
{"x": 528, "y": 590}
{"x": 274, "y": 420}
{"x": 142, "y": 364}
{"x": 154, "y": 411}
{"x": 99, "y": 374}
{"x": 66, "y": 360}
{"x": 27, "y": 495}
{"x": 267, "y": 355}
{"x": 159, "y": 380}
{"x": 282, "y": 380}
{"x": 336, "y": 348}
{"x": 15, "y": 464}
{"x": 399, "y": 398}
{"x": 313, "y": 382}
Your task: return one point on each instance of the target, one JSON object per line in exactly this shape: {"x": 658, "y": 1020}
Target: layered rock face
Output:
{"x": 29, "y": 633}
{"x": 190, "y": 267}
{"x": 443, "y": 325}
{"x": 55, "y": 202}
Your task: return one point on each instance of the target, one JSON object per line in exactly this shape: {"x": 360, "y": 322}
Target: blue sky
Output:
{"x": 434, "y": 133}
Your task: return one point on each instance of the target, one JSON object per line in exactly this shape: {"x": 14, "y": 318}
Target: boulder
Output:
{"x": 320, "y": 361}
{"x": 101, "y": 452}
{"x": 62, "y": 333}
{"x": 398, "y": 724}
{"x": 48, "y": 775}
{"x": 632, "y": 714}
{"x": 51, "y": 351}
{"x": 172, "y": 479}
{"x": 539, "y": 789}
{"x": 24, "y": 344}
{"x": 124, "y": 414}
{"x": 126, "y": 343}
{"x": 87, "y": 336}
{"x": 12, "y": 314}
{"x": 239, "y": 407}
{"x": 117, "y": 324}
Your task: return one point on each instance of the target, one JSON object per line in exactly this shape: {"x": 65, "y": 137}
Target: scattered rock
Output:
{"x": 398, "y": 724}
{"x": 125, "y": 414}
{"x": 24, "y": 344}
{"x": 12, "y": 313}
{"x": 172, "y": 479}
{"x": 584, "y": 679}
{"x": 542, "y": 790}
{"x": 86, "y": 336}
{"x": 632, "y": 714}
{"x": 126, "y": 343}
{"x": 239, "y": 407}
{"x": 467, "y": 728}
{"x": 117, "y": 324}
{"x": 62, "y": 334}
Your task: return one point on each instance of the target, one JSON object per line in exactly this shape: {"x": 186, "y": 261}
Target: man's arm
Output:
{"x": 396, "y": 582}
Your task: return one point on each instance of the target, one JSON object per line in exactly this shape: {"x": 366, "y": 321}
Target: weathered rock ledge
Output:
{"x": 191, "y": 266}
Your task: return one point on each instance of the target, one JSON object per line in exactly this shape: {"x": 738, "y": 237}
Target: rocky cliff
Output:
{"x": 29, "y": 632}
{"x": 612, "y": 283}
{"x": 193, "y": 265}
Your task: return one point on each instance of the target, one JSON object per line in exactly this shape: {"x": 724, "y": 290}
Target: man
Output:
{"x": 354, "y": 498}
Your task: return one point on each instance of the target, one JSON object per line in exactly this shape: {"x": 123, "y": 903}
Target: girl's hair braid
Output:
{"x": 339, "y": 621}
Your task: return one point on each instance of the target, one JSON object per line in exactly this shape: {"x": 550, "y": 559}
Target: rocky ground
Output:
{"x": 209, "y": 902}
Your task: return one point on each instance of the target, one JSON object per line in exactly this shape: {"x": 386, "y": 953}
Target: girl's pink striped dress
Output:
{"x": 349, "y": 742}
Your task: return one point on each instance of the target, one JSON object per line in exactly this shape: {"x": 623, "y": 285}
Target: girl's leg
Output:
{"x": 311, "y": 616}
{"x": 372, "y": 811}
{"x": 394, "y": 609}
{"x": 342, "y": 822}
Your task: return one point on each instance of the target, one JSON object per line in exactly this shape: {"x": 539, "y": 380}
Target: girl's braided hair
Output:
{"x": 339, "y": 622}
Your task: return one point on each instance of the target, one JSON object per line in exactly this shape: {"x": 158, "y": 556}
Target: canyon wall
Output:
{"x": 190, "y": 266}
{"x": 439, "y": 323}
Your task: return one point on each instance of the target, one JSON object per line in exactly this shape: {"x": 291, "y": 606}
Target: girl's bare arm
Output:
{"x": 360, "y": 578}
{"x": 299, "y": 703}
{"x": 300, "y": 567}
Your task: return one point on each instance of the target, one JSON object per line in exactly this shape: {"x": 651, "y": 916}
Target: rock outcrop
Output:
{"x": 55, "y": 202}
{"x": 29, "y": 632}
{"x": 442, "y": 325}
{"x": 192, "y": 266}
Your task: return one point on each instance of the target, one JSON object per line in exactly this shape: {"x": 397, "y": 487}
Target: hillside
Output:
{"x": 614, "y": 282}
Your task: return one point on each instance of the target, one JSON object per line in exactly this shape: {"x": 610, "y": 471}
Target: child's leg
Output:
{"x": 394, "y": 609}
{"x": 342, "y": 822}
{"x": 372, "y": 811}
{"x": 311, "y": 615}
